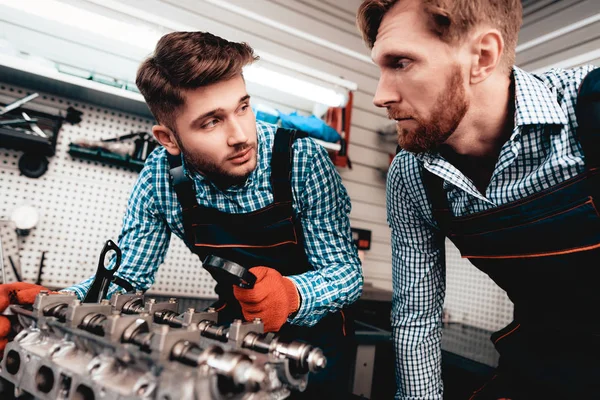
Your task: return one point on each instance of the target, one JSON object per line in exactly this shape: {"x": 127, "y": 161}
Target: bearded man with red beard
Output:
{"x": 505, "y": 164}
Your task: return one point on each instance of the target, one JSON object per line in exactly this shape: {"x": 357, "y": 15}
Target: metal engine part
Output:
{"x": 133, "y": 348}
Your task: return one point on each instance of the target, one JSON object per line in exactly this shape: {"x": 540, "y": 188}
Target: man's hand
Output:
{"x": 272, "y": 299}
{"x": 14, "y": 293}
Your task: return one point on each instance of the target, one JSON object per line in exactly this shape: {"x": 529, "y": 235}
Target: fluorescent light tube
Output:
{"x": 266, "y": 56}
{"x": 294, "y": 86}
{"x": 67, "y": 14}
{"x": 146, "y": 38}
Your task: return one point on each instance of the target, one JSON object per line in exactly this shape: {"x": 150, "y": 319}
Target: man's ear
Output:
{"x": 166, "y": 137}
{"x": 486, "y": 53}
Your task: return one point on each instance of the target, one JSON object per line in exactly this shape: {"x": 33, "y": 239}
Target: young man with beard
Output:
{"x": 268, "y": 199}
{"x": 492, "y": 158}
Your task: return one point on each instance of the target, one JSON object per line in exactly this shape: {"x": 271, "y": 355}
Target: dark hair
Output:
{"x": 185, "y": 61}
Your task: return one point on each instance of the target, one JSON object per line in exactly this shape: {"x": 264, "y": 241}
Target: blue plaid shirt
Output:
{"x": 320, "y": 201}
{"x": 533, "y": 159}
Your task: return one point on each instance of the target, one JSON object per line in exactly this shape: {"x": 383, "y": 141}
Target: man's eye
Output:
{"x": 209, "y": 124}
{"x": 402, "y": 64}
{"x": 244, "y": 107}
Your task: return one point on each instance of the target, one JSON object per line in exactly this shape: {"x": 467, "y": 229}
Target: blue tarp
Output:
{"x": 312, "y": 125}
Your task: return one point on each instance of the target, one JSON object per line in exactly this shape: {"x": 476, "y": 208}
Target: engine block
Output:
{"x": 133, "y": 347}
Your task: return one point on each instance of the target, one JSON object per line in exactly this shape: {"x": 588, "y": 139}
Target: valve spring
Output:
{"x": 187, "y": 353}
{"x": 167, "y": 317}
{"x": 142, "y": 340}
{"x": 58, "y": 311}
{"x": 94, "y": 323}
{"x": 134, "y": 306}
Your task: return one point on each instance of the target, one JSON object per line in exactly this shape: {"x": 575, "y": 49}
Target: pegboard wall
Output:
{"x": 10, "y": 251}
{"x": 472, "y": 298}
{"x": 81, "y": 205}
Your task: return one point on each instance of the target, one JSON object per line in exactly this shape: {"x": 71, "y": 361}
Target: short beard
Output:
{"x": 446, "y": 114}
{"x": 212, "y": 171}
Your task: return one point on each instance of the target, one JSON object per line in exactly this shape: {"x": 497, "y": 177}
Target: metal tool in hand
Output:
{"x": 228, "y": 272}
{"x": 99, "y": 288}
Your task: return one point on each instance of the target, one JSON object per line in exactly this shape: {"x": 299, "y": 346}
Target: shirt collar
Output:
{"x": 535, "y": 102}
{"x": 262, "y": 161}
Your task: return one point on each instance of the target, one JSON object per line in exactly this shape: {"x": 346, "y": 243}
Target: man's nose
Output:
{"x": 386, "y": 93}
{"x": 236, "y": 134}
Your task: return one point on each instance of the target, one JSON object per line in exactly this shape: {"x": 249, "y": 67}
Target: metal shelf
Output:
{"x": 328, "y": 145}
{"x": 19, "y": 71}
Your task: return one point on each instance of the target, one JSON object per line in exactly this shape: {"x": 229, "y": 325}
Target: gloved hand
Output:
{"x": 272, "y": 299}
{"x": 14, "y": 293}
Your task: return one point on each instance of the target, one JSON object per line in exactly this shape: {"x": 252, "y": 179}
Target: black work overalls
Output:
{"x": 271, "y": 237}
{"x": 544, "y": 251}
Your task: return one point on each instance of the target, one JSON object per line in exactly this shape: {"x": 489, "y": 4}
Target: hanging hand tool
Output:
{"x": 18, "y": 103}
{"x": 124, "y": 137}
{"x": 38, "y": 281}
{"x": 36, "y": 129}
{"x": 144, "y": 143}
{"x": 99, "y": 288}
{"x": 15, "y": 270}
{"x": 11, "y": 122}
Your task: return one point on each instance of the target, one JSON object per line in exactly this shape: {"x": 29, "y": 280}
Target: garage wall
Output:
{"x": 321, "y": 34}
{"x": 290, "y": 30}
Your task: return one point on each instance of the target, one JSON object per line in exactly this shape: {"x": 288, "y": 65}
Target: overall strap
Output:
{"x": 434, "y": 187}
{"x": 281, "y": 163}
{"x": 587, "y": 112}
{"x": 184, "y": 186}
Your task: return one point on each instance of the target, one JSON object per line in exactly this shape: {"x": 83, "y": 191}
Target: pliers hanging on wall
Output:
{"x": 26, "y": 119}
{"x": 18, "y": 103}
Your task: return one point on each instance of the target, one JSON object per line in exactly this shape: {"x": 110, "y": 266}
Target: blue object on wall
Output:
{"x": 267, "y": 117}
{"x": 312, "y": 125}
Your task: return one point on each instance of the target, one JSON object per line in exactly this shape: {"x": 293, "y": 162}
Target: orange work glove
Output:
{"x": 14, "y": 293}
{"x": 272, "y": 299}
